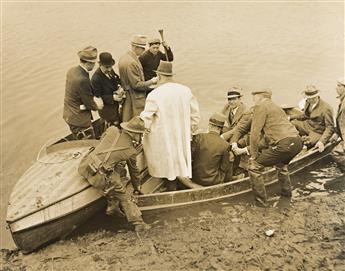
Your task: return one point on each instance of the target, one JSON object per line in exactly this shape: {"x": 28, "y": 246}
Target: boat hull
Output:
{"x": 30, "y": 239}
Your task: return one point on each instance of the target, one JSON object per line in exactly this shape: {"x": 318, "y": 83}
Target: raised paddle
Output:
{"x": 165, "y": 49}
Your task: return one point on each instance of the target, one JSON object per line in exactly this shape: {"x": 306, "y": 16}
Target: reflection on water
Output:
{"x": 216, "y": 45}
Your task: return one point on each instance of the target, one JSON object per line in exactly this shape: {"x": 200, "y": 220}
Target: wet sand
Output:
{"x": 308, "y": 234}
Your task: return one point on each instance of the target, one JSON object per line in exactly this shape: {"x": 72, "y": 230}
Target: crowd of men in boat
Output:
{"x": 144, "y": 108}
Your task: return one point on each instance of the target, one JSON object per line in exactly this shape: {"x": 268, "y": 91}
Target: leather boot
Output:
{"x": 113, "y": 207}
{"x": 257, "y": 182}
{"x": 284, "y": 181}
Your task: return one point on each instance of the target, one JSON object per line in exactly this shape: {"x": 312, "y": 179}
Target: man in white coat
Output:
{"x": 171, "y": 115}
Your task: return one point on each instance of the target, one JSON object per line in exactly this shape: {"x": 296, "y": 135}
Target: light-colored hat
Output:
{"x": 154, "y": 41}
{"x": 135, "y": 125}
{"x": 234, "y": 93}
{"x": 88, "y": 54}
{"x": 139, "y": 41}
{"x": 287, "y": 106}
{"x": 311, "y": 91}
{"x": 165, "y": 68}
{"x": 341, "y": 80}
{"x": 217, "y": 119}
{"x": 264, "y": 92}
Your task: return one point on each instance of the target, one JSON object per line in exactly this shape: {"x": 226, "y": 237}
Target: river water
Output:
{"x": 278, "y": 45}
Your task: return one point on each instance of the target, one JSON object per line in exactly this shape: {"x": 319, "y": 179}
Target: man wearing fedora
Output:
{"x": 316, "y": 123}
{"x": 102, "y": 169}
{"x": 79, "y": 100}
{"x": 106, "y": 85}
{"x": 133, "y": 80}
{"x": 150, "y": 58}
{"x": 210, "y": 154}
{"x": 171, "y": 114}
{"x": 284, "y": 144}
{"x": 234, "y": 111}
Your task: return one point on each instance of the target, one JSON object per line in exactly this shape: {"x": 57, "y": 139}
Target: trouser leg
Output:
{"x": 257, "y": 181}
{"x": 284, "y": 180}
{"x": 116, "y": 193}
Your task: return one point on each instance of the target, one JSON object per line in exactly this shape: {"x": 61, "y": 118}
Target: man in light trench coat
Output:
{"x": 132, "y": 79}
{"x": 171, "y": 115}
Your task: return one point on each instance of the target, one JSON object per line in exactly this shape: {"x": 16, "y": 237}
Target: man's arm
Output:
{"x": 242, "y": 128}
{"x": 194, "y": 114}
{"x": 329, "y": 123}
{"x": 85, "y": 93}
{"x": 258, "y": 122}
{"x": 149, "y": 111}
{"x": 135, "y": 81}
{"x": 169, "y": 52}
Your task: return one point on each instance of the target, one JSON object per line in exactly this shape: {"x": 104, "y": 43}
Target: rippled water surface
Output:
{"x": 282, "y": 46}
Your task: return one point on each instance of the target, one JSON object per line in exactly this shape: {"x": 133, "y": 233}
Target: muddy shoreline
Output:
{"x": 309, "y": 234}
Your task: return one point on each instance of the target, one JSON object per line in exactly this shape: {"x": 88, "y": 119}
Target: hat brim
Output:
{"x": 139, "y": 45}
{"x": 89, "y": 60}
{"x": 234, "y": 96}
{"x": 164, "y": 73}
{"x": 107, "y": 64}
{"x": 311, "y": 96}
{"x": 124, "y": 125}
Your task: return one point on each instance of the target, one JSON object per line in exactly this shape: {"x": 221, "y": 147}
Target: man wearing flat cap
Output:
{"x": 270, "y": 120}
{"x": 171, "y": 115}
{"x": 106, "y": 85}
{"x": 133, "y": 80}
{"x": 79, "y": 99}
{"x": 150, "y": 58}
{"x": 339, "y": 152}
{"x": 102, "y": 169}
{"x": 210, "y": 154}
{"x": 316, "y": 123}
{"x": 234, "y": 110}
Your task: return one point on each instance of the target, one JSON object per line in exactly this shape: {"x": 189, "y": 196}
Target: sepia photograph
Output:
{"x": 172, "y": 135}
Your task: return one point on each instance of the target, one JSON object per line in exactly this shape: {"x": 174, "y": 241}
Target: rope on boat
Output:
{"x": 63, "y": 159}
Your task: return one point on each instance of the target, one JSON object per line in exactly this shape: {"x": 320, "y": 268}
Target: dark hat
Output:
{"x": 139, "y": 41}
{"x": 154, "y": 41}
{"x": 217, "y": 119}
{"x": 234, "y": 93}
{"x": 264, "y": 92}
{"x": 88, "y": 54}
{"x": 135, "y": 125}
{"x": 106, "y": 59}
{"x": 164, "y": 68}
{"x": 311, "y": 91}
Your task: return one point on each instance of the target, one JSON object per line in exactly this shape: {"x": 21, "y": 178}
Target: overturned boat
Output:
{"x": 51, "y": 199}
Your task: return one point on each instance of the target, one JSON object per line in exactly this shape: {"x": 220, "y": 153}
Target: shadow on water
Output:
{"x": 321, "y": 179}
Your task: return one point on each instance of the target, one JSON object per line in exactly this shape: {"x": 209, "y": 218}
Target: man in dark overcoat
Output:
{"x": 106, "y": 85}
{"x": 210, "y": 154}
{"x": 285, "y": 143}
{"x": 78, "y": 101}
{"x": 133, "y": 80}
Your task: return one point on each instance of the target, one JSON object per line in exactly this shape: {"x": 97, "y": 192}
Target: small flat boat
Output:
{"x": 51, "y": 199}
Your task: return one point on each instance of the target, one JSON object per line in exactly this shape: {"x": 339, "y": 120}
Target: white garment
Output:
{"x": 171, "y": 111}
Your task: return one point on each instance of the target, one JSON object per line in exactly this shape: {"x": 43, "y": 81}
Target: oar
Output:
{"x": 165, "y": 49}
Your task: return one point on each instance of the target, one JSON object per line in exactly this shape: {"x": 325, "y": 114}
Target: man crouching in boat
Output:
{"x": 284, "y": 140}
{"x": 102, "y": 166}
{"x": 210, "y": 154}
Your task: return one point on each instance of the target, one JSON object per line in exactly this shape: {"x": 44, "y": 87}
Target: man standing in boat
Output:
{"x": 102, "y": 168}
{"x": 171, "y": 115}
{"x": 150, "y": 58}
{"x": 210, "y": 154}
{"x": 106, "y": 85}
{"x": 79, "y": 100}
{"x": 285, "y": 143}
{"x": 133, "y": 80}
{"x": 316, "y": 124}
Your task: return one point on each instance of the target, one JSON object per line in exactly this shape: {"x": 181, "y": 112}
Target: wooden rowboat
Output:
{"x": 51, "y": 199}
